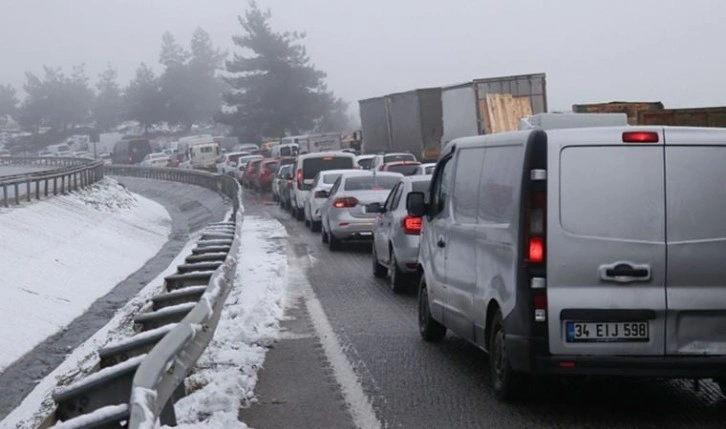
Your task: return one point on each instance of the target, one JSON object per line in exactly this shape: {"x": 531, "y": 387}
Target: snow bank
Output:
{"x": 58, "y": 256}
{"x": 38, "y": 404}
{"x": 226, "y": 374}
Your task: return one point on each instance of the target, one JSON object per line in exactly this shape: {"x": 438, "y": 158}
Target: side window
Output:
{"x": 335, "y": 187}
{"x": 500, "y": 175}
{"x": 466, "y": 187}
{"x": 391, "y": 197}
{"x": 440, "y": 188}
{"x": 397, "y": 197}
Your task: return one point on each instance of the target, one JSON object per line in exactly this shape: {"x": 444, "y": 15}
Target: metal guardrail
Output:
{"x": 69, "y": 174}
{"x": 140, "y": 378}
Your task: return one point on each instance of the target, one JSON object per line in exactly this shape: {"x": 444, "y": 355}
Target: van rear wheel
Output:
{"x": 506, "y": 382}
{"x": 721, "y": 384}
{"x": 431, "y": 330}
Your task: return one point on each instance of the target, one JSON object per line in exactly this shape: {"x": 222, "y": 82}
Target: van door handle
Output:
{"x": 441, "y": 243}
{"x": 625, "y": 272}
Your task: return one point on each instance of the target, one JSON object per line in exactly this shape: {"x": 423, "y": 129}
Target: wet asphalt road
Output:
{"x": 191, "y": 208}
{"x": 412, "y": 384}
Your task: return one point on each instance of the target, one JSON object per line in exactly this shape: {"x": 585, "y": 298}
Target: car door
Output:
{"x": 696, "y": 238}
{"x": 433, "y": 244}
{"x": 382, "y": 227}
{"x": 605, "y": 250}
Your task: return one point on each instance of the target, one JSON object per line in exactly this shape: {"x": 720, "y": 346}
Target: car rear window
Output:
{"x": 234, "y": 158}
{"x": 329, "y": 179}
{"x": 365, "y": 163}
{"x": 613, "y": 192}
{"x": 405, "y": 169}
{"x": 313, "y": 166}
{"x": 371, "y": 183}
{"x": 422, "y": 186}
{"x": 399, "y": 157}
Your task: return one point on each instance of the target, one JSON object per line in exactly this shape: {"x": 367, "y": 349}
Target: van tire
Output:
{"x": 506, "y": 382}
{"x": 397, "y": 278}
{"x": 431, "y": 330}
{"x": 379, "y": 271}
{"x": 299, "y": 214}
{"x": 721, "y": 384}
{"x": 315, "y": 226}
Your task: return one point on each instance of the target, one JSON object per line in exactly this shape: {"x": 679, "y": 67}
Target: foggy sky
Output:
{"x": 591, "y": 50}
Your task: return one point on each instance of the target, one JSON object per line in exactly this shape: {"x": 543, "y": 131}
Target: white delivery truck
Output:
{"x": 202, "y": 152}
{"x": 327, "y": 142}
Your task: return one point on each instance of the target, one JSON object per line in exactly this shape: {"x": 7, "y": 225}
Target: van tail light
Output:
{"x": 535, "y": 228}
{"x": 345, "y": 203}
{"x": 299, "y": 178}
{"x": 536, "y": 250}
{"x": 640, "y": 137}
{"x": 411, "y": 225}
{"x": 535, "y": 246}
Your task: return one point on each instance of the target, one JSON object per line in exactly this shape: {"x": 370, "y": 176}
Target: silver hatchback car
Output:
{"x": 396, "y": 235}
{"x": 344, "y": 215}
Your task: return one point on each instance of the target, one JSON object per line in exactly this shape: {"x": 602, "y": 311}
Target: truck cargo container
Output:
{"x": 693, "y": 117}
{"x": 484, "y": 106}
{"x": 415, "y": 120}
{"x": 374, "y": 125}
{"x": 632, "y": 109}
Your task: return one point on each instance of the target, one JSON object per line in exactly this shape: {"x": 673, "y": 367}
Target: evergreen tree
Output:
{"x": 142, "y": 98}
{"x": 172, "y": 54}
{"x": 107, "y": 109}
{"x": 276, "y": 90}
{"x": 8, "y": 101}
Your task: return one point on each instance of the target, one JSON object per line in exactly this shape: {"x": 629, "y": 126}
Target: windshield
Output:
{"x": 371, "y": 183}
{"x": 398, "y": 157}
{"x": 313, "y": 166}
{"x": 329, "y": 179}
{"x": 405, "y": 169}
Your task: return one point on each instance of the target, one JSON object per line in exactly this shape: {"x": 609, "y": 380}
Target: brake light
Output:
{"x": 536, "y": 250}
{"x": 345, "y": 203}
{"x": 327, "y": 158}
{"x": 299, "y": 178}
{"x": 640, "y": 137}
{"x": 412, "y": 225}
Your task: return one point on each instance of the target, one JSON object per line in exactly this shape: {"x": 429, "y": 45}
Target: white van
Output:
{"x": 306, "y": 167}
{"x": 592, "y": 251}
{"x": 285, "y": 150}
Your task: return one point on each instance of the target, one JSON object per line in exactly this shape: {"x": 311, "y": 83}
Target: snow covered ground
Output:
{"x": 38, "y": 404}
{"x": 58, "y": 256}
{"x": 226, "y": 374}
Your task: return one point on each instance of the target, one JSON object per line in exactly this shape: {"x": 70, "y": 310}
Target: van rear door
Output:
{"x": 605, "y": 244}
{"x": 695, "y": 166}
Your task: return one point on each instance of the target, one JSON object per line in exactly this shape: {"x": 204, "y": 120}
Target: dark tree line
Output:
{"x": 272, "y": 92}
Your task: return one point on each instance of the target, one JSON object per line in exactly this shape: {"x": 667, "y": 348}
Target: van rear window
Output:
{"x": 405, "y": 169}
{"x": 399, "y": 157}
{"x": 371, "y": 183}
{"x": 613, "y": 192}
{"x": 312, "y": 166}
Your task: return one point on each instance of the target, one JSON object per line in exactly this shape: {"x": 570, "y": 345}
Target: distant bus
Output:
{"x": 130, "y": 151}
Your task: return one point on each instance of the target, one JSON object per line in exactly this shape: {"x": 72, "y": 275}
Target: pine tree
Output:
{"x": 8, "y": 101}
{"x": 276, "y": 91}
{"x": 107, "y": 109}
{"x": 142, "y": 98}
{"x": 172, "y": 54}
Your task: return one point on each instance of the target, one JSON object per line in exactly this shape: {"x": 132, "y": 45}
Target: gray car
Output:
{"x": 396, "y": 234}
{"x": 593, "y": 251}
{"x": 344, "y": 215}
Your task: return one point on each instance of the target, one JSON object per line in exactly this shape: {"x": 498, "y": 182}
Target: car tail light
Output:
{"x": 299, "y": 178}
{"x": 345, "y": 203}
{"x": 412, "y": 225}
{"x": 640, "y": 137}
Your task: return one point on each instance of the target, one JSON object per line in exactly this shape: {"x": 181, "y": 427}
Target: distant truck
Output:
{"x": 402, "y": 122}
{"x": 631, "y": 108}
{"x": 491, "y": 105}
{"x": 202, "y": 152}
{"x": 694, "y": 117}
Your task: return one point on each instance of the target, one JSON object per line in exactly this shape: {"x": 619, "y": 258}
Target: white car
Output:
{"x": 228, "y": 162}
{"x": 425, "y": 169}
{"x": 305, "y": 169}
{"x": 155, "y": 160}
{"x": 364, "y": 162}
{"x": 321, "y": 186}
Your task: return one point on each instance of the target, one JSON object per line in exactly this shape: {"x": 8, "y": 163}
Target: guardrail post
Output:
{"x": 55, "y": 186}
{"x": 17, "y": 194}
{"x": 28, "y": 190}
{"x": 5, "y": 195}
{"x": 46, "y": 187}
{"x": 37, "y": 190}
{"x": 63, "y": 184}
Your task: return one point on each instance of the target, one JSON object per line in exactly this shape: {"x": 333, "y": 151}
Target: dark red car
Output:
{"x": 250, "y": 177}
{"x": 266, "y": 174}
{"x": 407, "y": 168}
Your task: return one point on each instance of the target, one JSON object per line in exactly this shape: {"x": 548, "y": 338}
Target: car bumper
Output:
{"x": 407, "y": 256}
{"x": 347, "y": 227}
{"x": 526, "y": 355}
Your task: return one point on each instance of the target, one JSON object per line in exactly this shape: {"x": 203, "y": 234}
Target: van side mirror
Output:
{"x": 416, "y": 204}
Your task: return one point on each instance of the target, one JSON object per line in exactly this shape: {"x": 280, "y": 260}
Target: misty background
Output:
{"x": 638, "y": 50}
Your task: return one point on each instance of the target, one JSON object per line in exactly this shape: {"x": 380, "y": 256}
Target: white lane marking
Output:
{"x": 359, "y": 404}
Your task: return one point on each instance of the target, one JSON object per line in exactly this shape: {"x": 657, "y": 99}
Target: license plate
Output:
{"x": 597, "y": 332}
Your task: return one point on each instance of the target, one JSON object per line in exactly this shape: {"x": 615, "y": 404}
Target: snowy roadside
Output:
{"x": 38, "y": 404}
{"x": 226, "y": 374}
{"x": 60, "y": 255}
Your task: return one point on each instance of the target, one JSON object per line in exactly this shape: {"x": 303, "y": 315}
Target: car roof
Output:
{"x": 368, "y": 156}
{"x": 388, "y": 164}
{"x": 324, "y": 154}
{"x": 339, "y": 171}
